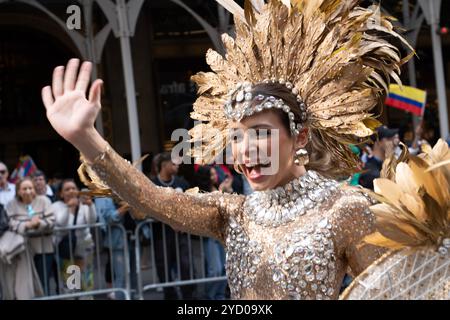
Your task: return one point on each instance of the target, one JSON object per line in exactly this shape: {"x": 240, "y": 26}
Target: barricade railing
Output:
{"x": 78, "y": 268}
{"x": 175, "y": 261}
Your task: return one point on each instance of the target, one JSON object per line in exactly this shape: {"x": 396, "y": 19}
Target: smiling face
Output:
{"x": 25, "y": 191}
{"x": 265, "y": 149}
{"x": 69, "y": 190}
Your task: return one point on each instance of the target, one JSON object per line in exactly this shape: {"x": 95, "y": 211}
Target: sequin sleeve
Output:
{"x": 201, "y": 214}
{"x": 355, "y": 222}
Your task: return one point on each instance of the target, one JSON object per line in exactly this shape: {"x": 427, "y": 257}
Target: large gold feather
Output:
{"x": 413, "y": 220}
{"x": 414, "y": 195}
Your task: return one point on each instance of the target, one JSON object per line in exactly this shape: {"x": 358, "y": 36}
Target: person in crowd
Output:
{"x": 7, "y": 190}
{"x": 41, "y": 186}
{"x": 75, "y": 247}
{"x": 396, "y": 142}
{"x": 111, "y": 213}
{"x": 19, "y": 279}
{"x": 167, "y": 177}
{"x": 240, "y": 184}
{"x": 423, "y": 136}
{"x": 55, "y": 182}
{"x": 43, "y": 189}
{"x": 366, "y": 153}
{"x": 383, "y": 147}
{"x": 208, "y": 181}
{"x": 130, "y": 223}
{"x": 154, "y": 167}
{"x": 31, "y": 215}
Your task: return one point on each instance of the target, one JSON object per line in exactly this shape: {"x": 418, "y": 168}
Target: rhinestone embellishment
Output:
{"x": 243, "y": 258}
{"x": 240, "y": 97}
{"x": 284, "y": 204}
{"x": 305, "y": 262}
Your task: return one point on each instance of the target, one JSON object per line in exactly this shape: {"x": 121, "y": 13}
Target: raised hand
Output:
{"x": 70, "y": 113}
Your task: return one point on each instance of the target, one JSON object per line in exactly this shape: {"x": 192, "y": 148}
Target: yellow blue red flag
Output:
{"x": 407, "y": 98}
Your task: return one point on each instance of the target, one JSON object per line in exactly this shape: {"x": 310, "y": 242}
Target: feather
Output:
{"x": 379, "y": 240}
{"x": 209, "y": 82}
{"x": 414, "y": 209}
{"x": 258, "y": 5}
{"x": 233, "y": 8}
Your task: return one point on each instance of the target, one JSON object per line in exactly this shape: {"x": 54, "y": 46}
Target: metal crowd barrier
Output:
{"x": 176, "y": 262}
{"x": 100, "y": 253}
{"x": 181, "y": 262}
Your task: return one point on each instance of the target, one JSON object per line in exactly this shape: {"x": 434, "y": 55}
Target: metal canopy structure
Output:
{"x": 432, "y": 12}
{"x": 122, "y": 17}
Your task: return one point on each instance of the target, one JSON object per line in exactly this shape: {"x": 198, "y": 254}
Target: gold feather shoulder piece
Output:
{"x": 413, "y": 220}
{"x": 333, "y": 55}
{"x": 98, "y": 188}
{"x": 414, "y": 208}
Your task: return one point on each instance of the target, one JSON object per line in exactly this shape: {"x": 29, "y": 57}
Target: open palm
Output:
{"x": 68, "y": 110}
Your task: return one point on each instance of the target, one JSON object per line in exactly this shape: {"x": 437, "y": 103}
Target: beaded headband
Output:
{"x": 242, "y": 98}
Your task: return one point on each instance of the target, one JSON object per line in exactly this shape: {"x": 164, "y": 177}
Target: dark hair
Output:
{"x": 162, "y": 157}
{"x": 320, "y": 158}
{"x": 58, "y": 175}
{"x": 61, "y": 185}
{"x": 203, "y": 178}
{"x": 39, "y": 173}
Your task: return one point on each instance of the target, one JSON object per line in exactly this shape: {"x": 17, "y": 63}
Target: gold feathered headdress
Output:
{"x": 333, "y": 55}
{"x": 413, "y": 220}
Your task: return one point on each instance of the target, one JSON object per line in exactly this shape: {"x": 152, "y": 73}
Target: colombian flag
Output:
{"x": 407, "y": 98}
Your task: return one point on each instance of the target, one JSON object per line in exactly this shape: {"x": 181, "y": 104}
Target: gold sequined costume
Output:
{"x": 303, "y": 253}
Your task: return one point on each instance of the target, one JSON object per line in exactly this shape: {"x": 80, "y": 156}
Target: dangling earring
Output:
{"x": 301, "y": 157}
